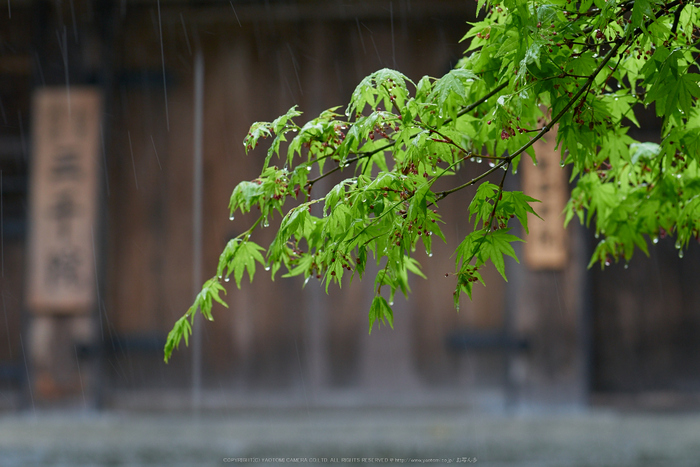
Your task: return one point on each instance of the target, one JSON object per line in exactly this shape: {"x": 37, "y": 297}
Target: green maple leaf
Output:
{"x": 380, "y": 312}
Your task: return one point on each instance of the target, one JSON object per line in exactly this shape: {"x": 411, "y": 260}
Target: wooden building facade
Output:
{"x": 552, "y": 334}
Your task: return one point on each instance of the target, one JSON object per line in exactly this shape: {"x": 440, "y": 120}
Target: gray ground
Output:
{"x": 247, "y": 437}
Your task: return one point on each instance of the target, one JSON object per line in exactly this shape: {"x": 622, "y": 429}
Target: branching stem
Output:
{"x": 492, "y": 217}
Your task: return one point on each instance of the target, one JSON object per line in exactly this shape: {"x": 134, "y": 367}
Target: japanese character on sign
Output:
{"x": 63, "y": 267}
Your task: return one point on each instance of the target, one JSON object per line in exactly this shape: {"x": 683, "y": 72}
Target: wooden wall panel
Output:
{"x": 646, "y": 322}
{"x": 149, "y": 243}
{"x": 275, "y": 335}
{"x": 11, "y": 286}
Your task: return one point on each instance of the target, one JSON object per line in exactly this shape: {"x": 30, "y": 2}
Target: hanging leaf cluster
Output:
{"x": 586, "y": 66}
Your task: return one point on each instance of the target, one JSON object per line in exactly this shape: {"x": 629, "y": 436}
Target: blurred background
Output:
{"x": 121, "y": 129}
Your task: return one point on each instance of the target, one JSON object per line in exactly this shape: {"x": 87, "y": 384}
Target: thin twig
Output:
{"x": 442, "y": 194}
{"x": 498, "y": 198}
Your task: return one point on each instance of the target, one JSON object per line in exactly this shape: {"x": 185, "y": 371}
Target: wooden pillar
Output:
{"x": 64, "y": 237}
{"x": 546, "y": 298}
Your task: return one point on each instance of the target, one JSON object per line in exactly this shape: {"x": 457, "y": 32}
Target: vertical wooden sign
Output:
{"x": 546, "y": 245}
{"x": 63, "y": 200}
